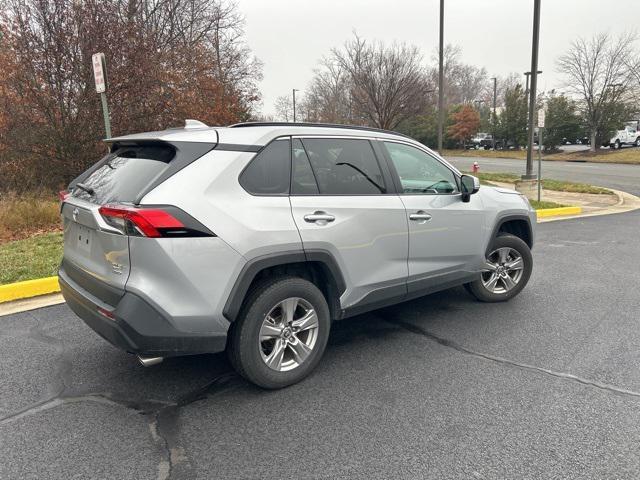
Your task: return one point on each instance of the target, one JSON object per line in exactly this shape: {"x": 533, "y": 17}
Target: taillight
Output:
{"x": 152, "y": 222}
{"x": 63, "y": 195}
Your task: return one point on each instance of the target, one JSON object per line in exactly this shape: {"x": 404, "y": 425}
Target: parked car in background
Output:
{"x": 486, "y": 142}
{"x": 475, "y": 142}
{"x": 629, "y": 135}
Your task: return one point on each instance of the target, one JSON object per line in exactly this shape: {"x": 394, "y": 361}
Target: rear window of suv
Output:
{"x": 124, "y": 174}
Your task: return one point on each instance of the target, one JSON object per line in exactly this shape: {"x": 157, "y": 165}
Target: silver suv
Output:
{"x": 253, "y": 238}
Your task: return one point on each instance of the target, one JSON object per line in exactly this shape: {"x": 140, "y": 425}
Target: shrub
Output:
{"x": 25, "y": 215}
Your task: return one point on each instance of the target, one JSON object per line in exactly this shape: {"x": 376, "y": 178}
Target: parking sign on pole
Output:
{"x": 541, "y": 116}
{"x": 100, "y": 78}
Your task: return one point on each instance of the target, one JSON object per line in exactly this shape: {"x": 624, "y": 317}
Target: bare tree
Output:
{"x": 388, "y": 83}
{"x": 463, "y": 83}
{"x": 284, "y": 108}
{"x": 598, "y": 72}
{"x": 328, "y": 96}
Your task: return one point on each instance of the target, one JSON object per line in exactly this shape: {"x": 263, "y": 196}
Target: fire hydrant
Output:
{"x": 475, "y": 167}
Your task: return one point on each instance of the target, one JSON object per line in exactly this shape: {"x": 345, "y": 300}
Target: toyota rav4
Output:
{"x": 253, "y": 238}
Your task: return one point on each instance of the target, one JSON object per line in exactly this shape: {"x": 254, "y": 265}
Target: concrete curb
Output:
{"x": 555, "y": 212}
{"x": 627, "y": 202}
{"x": 28, "y": 288}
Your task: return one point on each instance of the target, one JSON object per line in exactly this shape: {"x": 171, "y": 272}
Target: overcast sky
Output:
{"x": 290, "y": 36}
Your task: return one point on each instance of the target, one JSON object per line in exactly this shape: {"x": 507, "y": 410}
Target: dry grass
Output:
{"x": 22, "y": 216}
{"x": 547, "y": 183}
{"x": 521, "y": 154}
{"x": 628, "y": 155}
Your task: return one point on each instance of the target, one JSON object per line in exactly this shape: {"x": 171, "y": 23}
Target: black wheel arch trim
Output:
{"x": 508, "y": 218}
{"x": 254, "y": 266}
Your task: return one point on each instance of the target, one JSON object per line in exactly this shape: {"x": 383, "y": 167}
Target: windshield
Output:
{"x": 124, "y": 174}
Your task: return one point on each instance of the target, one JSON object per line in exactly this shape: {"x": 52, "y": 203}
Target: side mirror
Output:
{"x": 469, "y": 185}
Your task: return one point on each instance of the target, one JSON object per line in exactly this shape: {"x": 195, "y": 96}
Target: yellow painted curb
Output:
{"x": 553, "y": 212}
{"x": 28, "y": 288}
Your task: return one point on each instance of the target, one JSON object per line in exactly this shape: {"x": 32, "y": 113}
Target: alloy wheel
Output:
{"x": 288, "y": 334}
{"x": 503, "y": 270}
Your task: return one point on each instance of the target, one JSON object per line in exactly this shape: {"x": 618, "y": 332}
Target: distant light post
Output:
{"x": 294, "y": 104}
{"x": 493, "y": 123}
{"x": 441, "y": 78}
{"x": 534, "y": 85}
{"x": 526, "y": 74}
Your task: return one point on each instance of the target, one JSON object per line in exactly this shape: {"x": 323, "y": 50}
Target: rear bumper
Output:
{"x": 136, "y": 326}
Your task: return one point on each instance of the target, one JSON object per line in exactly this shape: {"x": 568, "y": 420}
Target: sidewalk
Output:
{"x": 592, "y": 204}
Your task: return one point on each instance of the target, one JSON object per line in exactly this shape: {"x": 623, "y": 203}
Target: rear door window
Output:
{"x": 344, "y": 166}
{"x": 124, "y": 174}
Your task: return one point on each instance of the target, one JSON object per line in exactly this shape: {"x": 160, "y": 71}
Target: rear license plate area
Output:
{"x": 83, "y": 238}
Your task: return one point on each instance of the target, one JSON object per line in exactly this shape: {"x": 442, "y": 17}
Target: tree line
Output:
{"x": 389, "y": 86}
{"x": 167, "y": 60}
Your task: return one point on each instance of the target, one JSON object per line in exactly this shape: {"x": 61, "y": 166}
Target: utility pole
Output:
{"x": 441, "y": 78}
{"x": 534, "y": 85}
{"x": 493, "y": 123}
{"x": 294, "y": 104}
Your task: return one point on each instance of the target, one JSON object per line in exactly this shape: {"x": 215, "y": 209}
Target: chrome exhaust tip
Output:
{"x": 149, "y": 361}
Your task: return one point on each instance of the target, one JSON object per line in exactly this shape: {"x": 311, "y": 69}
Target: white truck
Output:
{"x": 630, "y": 135}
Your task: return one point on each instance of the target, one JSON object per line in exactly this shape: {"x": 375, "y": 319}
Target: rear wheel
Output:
{"x": 508, "y": 266}
{"x": 281, "y": 333}
{"x": 638, "y": 142}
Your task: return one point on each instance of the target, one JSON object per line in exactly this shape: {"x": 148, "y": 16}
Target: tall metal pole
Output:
{"x": 493, "y": 123}
{"x": 534, "y": 84}
{"x": 294, "y": 105}
{"x": 105, "y": 114}
{"x": 441, "y": 78}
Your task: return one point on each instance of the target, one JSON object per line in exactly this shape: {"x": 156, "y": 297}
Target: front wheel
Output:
{"x": 507, "y": 270}
{"x": 281, "y": 333}
{"x": 638, "y": 142}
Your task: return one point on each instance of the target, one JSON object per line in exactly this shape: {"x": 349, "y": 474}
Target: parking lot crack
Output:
{"x": 166, "y": 425}
{"x": 504, "y": 361}
{"x": 144, "y": 407}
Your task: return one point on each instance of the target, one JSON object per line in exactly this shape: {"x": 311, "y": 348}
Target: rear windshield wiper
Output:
{"x": 86, "y": 188}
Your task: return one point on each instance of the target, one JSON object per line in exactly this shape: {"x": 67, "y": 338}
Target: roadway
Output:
{"x": 612, "y": 175}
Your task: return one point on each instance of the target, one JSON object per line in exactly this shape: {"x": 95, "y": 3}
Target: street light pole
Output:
{"x": 526, "y": 74}
{"x": 294, "y": 104}
{"x": 534, "y": 84}
{"x": 441, "y": 78}
{"x": 493, "y": 123}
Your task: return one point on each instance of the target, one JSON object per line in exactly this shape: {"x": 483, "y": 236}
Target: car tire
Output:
{"x": 638, "y": 142}
{"x": 508, "y": 255}
{"x": 265, "y": 346}
{"x": 616, "y": 145}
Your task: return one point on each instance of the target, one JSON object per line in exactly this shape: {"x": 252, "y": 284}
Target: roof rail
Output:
{"x": 308, "y": 124}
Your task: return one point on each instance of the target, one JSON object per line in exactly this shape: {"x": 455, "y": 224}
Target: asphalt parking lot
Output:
{"x": 545, "y": 386}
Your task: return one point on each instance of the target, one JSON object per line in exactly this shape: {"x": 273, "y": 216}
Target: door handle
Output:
{"x": 420, "y": 216}
{"x": 319, "y": 217}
